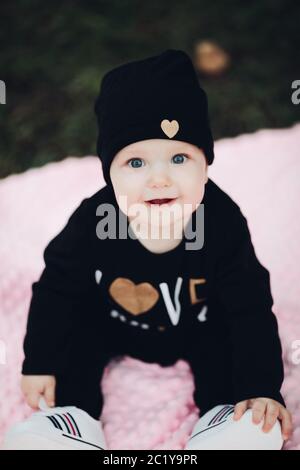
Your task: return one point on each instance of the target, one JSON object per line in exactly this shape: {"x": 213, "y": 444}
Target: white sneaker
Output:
{"x": 217, "y": 430}
{"x": 58, "y": 428}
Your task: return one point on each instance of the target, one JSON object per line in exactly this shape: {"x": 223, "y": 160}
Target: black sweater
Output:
{"x": 150, "y": 303}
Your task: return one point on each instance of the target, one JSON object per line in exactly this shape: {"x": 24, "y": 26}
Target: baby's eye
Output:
{"x": 135, "y": 162}
{"x": 179, "y": 158}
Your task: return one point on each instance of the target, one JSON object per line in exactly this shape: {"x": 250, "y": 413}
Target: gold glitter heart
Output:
{"x": 135, "y": 298}
{"x": 169, "y": 128}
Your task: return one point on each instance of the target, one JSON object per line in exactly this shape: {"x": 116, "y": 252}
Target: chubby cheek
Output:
{"x": 127, "y": 197}
{"x": 193, "y": 196}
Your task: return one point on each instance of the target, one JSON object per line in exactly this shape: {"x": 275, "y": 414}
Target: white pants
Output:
{"x": 217, "y": 430}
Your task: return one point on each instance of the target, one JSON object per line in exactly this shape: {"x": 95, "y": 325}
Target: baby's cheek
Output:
{"x": 194, "y": 199}
{"x": 127, "y": 203}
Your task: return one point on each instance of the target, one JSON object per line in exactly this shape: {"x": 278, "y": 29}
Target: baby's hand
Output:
{"x": 270, "y": 410}
{"x": 35, "y": 386}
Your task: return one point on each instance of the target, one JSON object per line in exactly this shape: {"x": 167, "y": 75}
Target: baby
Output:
{"x": 158, "y": 265}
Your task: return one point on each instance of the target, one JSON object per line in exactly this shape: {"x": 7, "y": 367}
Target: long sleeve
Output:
{"x": 243, "y": 288}
{"x": 58, "y": 298}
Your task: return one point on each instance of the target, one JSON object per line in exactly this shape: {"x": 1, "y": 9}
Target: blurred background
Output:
{"x": 54, "y": 54}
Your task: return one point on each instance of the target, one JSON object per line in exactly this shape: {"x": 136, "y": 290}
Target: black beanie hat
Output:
{"x": 155, "y": 98}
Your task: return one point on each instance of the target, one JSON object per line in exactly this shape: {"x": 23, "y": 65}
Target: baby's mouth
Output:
{"x": 160, "y": 201}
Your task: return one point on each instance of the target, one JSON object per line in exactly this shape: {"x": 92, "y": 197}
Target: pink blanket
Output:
{"x": 261, "y": 171}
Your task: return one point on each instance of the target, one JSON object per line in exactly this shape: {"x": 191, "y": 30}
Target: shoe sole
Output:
{"x": 31, "y": 441}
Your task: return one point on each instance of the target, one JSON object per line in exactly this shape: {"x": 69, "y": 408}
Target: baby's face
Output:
{"x": 159, "y": 169}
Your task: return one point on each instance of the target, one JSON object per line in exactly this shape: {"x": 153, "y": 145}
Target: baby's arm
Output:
{"x": 243, "y": 287}
{"x": 56, "y": 305}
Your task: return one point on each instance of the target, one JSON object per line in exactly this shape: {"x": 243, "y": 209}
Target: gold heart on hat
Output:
{"x": 135, "y": 298}
{"x": 169, "y": 128}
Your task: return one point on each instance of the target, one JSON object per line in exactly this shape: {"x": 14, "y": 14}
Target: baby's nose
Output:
{"x": 159, "y": 176}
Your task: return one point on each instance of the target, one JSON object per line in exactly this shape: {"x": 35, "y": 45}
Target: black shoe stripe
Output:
{"x": 49, "y": 417}
{"x": 229, "y": 412}
{"x": 84, "y": 442}
{"x": 54, "y": 422}
{"x": 220, "y": 415}
{"x": 216, "y": 417}
{"x": 64, "y": 422}
{"x": 58, "y": 423}
{"x": 75, "y": 424}
{"x": 207, "y": 429}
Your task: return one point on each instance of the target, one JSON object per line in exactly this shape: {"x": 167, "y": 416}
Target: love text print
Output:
{"x": 173, "y": 311}
{"x": 128, "y": 294}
